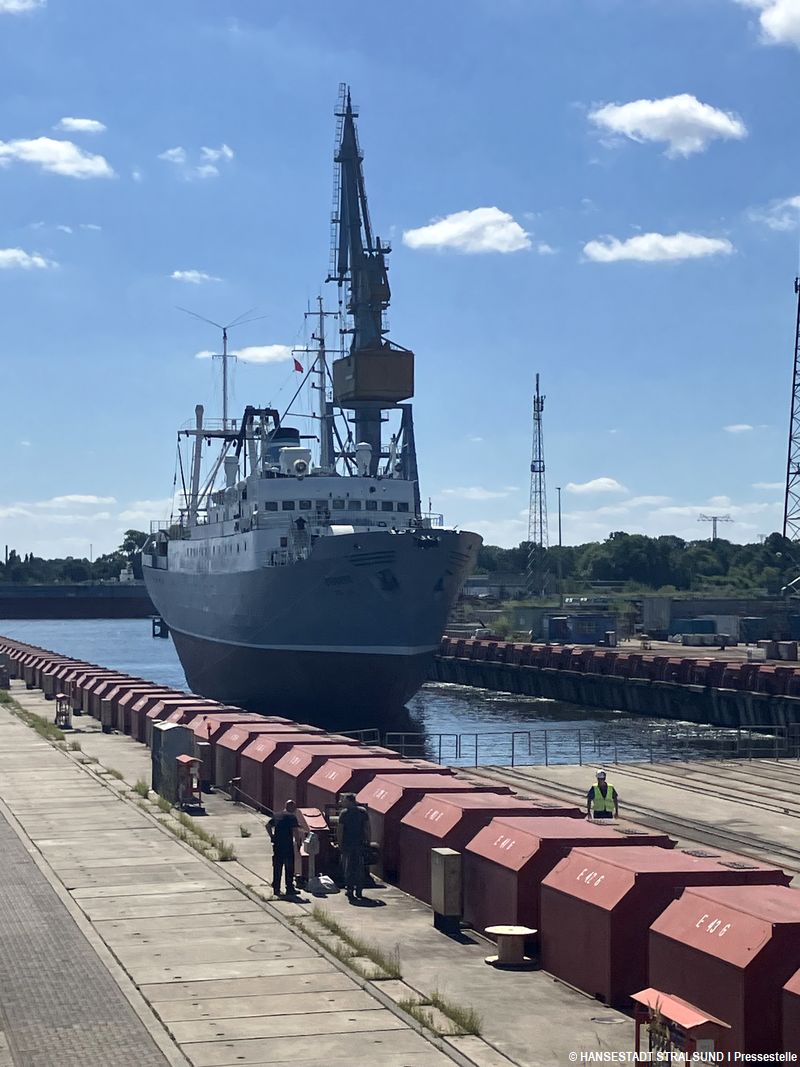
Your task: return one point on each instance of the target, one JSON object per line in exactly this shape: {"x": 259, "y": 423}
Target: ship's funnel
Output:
{"x": 231, "y": 471}
{"x": 363, "y": 458}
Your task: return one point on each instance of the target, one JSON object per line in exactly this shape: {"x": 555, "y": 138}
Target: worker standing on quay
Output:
{"x": 284, "y": 833}
{"x": 352, "y": 836}
{"x": 602, "y": 800}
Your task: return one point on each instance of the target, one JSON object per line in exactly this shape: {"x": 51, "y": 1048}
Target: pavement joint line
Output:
{"x": 440, "y": 1043}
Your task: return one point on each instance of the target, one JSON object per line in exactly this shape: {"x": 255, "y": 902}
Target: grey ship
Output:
{"x": 314, "y": 588}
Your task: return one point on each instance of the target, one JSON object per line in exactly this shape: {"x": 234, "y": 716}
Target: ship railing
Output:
{"x": 176, "y": 529}
{"x": 283, "y": 557}
{"x": 433, "y": 518}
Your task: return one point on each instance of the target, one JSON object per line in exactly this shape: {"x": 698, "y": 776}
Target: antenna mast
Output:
{"x": 537, "y": 511}
{"x": 714, "y": 519}
{"x": 791, "y": 506}
{"x": 327, "y": 455}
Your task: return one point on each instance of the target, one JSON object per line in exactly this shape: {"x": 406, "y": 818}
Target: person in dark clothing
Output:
{"x": 352, "y": 835}
{"x": 603, "y": 799}
{"x": 284, "y": 833}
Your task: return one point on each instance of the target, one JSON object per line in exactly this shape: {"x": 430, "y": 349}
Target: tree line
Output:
{"x": 35, "y": 570}
{"x": 637, "y": 562}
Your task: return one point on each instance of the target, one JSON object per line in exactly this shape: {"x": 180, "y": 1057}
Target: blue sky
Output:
{"x": 603, "y": 191}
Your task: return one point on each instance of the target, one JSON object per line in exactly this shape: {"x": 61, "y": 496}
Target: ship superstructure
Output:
{"x": 314, "y": 584}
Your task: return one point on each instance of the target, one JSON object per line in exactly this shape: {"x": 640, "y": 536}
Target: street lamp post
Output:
{"x": 560, "y": 591}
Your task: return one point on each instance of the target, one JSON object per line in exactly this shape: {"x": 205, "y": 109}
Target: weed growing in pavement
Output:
{"x": 116, "y": 774}
{"x": 142, "y": 788}
{"x": 195, "y": 836}
{"x": 387, "y": 961}
{"x": 466, "y": 1019}
{"x": 74, "y": 746}
{"x": 164, "y": 805}
{"x": 416, "y": 1009}
{"x": 244, "y": 831}
{"x": 41, "y": 726}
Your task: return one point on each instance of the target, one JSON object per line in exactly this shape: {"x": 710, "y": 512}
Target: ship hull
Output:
{"x": 347, "y": 635}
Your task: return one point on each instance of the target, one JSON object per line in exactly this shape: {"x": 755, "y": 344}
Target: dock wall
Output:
{"x": 690, "y": 689}
{"x": 124, "y": 600}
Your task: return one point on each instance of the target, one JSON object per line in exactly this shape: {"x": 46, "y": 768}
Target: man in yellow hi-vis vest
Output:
{"x": 602, "y": 800}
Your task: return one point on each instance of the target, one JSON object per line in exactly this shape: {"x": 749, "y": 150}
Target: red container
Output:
{"x": 597, "y": 906}
{"x": 126, "y": 696}
{"x": 730, "y": 951}
{"x": 82, "y": 680}
{"x": 94, "y": 693}
{"x": 167, "y": 704}
{"x": 791, "y": 1014}
{"x": 229, "y": 746}
{"x": 292, "y": 771}
{"x": 388, "y": 798}
{"x": 89, "y": 682}
{"x": 350, "y": 776}
{"x": 50, "y": 675}
{"x": 503, "y": 866}
{"x": 258, "y": 761}
{"x": 139, "y": 707}
{"x": 450, "y": 820}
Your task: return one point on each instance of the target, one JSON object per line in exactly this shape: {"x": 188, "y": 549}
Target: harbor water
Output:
{"x": 448, "y": 723}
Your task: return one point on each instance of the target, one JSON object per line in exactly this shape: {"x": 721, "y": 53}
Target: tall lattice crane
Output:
{"x": 376, "y": 374}
{"x": 538, "y": 539}
{"x": 791, "y": 505}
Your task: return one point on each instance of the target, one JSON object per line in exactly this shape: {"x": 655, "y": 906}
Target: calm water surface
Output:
{"x": 460, "y": 725}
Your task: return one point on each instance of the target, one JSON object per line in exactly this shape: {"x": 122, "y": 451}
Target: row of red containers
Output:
{"x": 619, "y": 909}
{"x": 752, "y": 677}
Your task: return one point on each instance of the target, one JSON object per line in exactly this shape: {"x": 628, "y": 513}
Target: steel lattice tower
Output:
{"x": 791, "y": 507}
{"x": 537, "y": 510}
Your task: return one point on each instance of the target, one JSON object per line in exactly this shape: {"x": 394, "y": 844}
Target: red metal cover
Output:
{"x": 597, "y": 905}
{"x": 438, "y": 815}
{"x": 259, "y": 757}
{"x": 731, "y": 950}
{"x": 504, "y": 864}
{"x": 294, "y": 768}
{"x": 209, "y": 727}
{"x": 240, "y": 734}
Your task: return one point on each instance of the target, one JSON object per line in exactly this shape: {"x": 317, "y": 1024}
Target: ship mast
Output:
{"x": 327, "y": 456}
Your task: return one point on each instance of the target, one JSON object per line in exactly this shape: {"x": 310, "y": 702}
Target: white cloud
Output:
{"x": 738, "y": 427}
{"x": 647, "y": 501}
{"x": 17, "y": 258}
{"x": 596, "y": 485}
{"x": 17, "y": 7}
{"x": 25, "y": 444}
{"x": 684, "y": 123}
{"x": 484, "y": 229}
{"x": 70, "y": 125}
{"x": 207, "y": 167}
{"x": 57, "y": 157}
{"x": 545, "y": 249}
{"x": 656, "y": 248}
{"x": 174, "y": 155}
{"x": 477, "y": 492}
{"x": 781, "y": 215}
{"x": 505, "y": 532}
{"x": 71, "y": 499}
{"x": 145, "y": 510}
{"x": 255, "y": 354}
{"x": 64, "y": 229}
{"x": 193, "y": 277}
{"x": 768, "y": 485}
{"x": 213, "y": 155}
{"x": 136, "y": 174}
{"x": 779, "y": 20}
{"x": 90, "y": 226}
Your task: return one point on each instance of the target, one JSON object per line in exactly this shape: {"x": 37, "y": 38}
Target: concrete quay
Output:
{"x": 221, "y": 974}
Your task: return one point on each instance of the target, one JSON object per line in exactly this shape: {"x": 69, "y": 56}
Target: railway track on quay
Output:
{"x": 722, "y": 783}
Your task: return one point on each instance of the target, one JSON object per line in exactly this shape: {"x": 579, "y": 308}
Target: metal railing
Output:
{"x": 613, "y": 745}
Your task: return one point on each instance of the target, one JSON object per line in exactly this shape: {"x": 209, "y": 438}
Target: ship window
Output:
{"x": 305, "y": 505}
{"x": 287, "y": 505}
{"x": 320, "y": 505}
{"x": 338, "y": 505}
{"x": 284, "y": 542}
{"x": 402, "y": 506}
{"x": 270, "y": 505}
{"x": 387, "y": 505}
{"x": 355, "y": 505}
{"x": 371, "y": 505}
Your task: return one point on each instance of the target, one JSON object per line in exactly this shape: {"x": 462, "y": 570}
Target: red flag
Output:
{"x": 298, "y": 366}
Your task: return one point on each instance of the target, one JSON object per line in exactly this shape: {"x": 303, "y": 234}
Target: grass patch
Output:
{"x": 466, "y": 1019}
{"x": 387, "y": 961}
{"x": 142, "y": 788}
{"x": 244, "y": 832}
{"x": 116, "y": 774}
{"x": 141, "y": 804}
{"x": 74, "y": 746}
{"x": 41, "y": 726}
{"x": 194, "y": 835}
